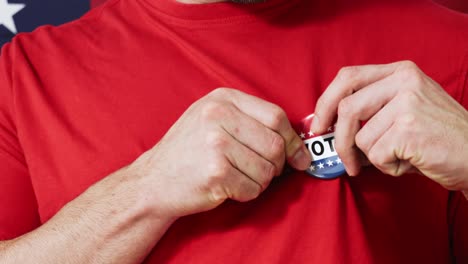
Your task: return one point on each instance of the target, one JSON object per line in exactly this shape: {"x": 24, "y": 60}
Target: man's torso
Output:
{"x": 92, "y": 103}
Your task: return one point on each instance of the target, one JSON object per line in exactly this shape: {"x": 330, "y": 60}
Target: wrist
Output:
{"x": 149, "y": 201}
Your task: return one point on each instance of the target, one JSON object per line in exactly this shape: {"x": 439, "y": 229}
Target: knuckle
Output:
{"x": 217, "y": 140}
{"x": 409, "y": 73}
{"x": 277, "y": 118}
{"x": 220, "y": 92}
{"x": 217, "y": 171}
{"x": 269, "y": 172}
{"x": 407, "y": 64}
{"x": 255, "y": 191}
{"x": 348, "y": 73}
{"x": 248, "y": 191}
{"x": 277, "y": 145}
{"x": 405, "y": 122}
{"x": 410, "y": 99}
{"x": 218, "y": 194}
{"x": 362, "y": 142}
{"x": 320, "y": 103}
{"x": 376, "y": 158}
{"x": 346, "y": 109}
{"x": 408, "y": 119}
{"x": 212, "y": 110}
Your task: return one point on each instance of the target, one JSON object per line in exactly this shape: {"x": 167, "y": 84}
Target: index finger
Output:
{"x": 347, "y": 81}
{"x": 273, "y": 117}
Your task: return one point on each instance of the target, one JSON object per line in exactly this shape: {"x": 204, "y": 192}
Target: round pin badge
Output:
{"x": 325, "y": 161}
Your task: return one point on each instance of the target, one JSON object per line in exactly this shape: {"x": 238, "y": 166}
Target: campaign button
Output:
{"x": 325, "y": 161}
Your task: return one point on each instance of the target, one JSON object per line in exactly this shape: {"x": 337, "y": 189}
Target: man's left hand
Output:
{"x": 411, "y": 123}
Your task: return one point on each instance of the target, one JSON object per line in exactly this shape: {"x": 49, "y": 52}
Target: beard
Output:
{"x": 247, "y": 1}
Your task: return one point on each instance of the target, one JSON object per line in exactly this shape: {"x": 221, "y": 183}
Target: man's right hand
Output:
{"x": 227, "y": 145}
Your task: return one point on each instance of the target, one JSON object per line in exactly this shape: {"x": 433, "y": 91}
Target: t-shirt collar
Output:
{"x": 214, "y": 11}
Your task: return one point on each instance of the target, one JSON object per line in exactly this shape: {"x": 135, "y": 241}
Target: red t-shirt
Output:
{"x": 459, "y": 5}
{"x": 82, "y": 100}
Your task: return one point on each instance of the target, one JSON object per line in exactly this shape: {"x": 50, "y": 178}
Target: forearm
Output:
{"x": 109, "y": 223}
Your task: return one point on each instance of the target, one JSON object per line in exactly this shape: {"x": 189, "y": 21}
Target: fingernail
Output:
{"x": 315, "y": 124}
{"x": 302, "y": 159}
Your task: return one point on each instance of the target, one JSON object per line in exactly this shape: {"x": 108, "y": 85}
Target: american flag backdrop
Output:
{"x": 25, "y": 15}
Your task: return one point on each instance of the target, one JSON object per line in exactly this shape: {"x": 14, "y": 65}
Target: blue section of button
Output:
{"x": 329, "y": 168}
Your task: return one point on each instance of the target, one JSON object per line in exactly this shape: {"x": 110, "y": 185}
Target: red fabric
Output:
{"x": 82, "y": 100}
{"x": 459, "y": 5}
{"x": 95, "y": 3}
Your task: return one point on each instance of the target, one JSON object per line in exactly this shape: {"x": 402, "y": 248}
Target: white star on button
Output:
{"x": 321, "y": 165}
{"x": 330, "y": 163}
{"x": 302, "y": 135}
{"x": 7, "y": 11}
